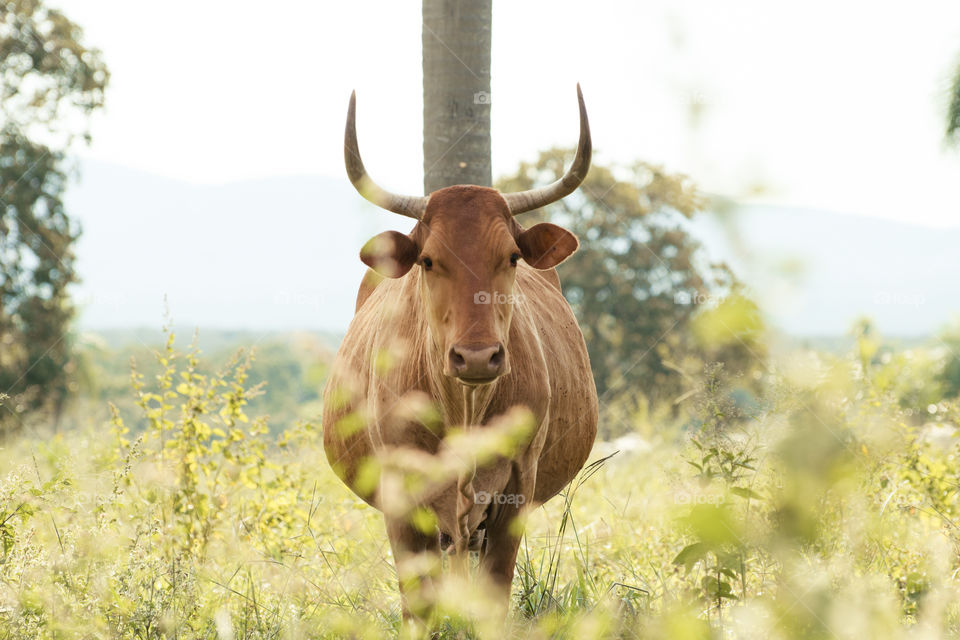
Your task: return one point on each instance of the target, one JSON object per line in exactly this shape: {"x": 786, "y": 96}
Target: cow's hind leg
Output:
{"x": 417, "y": 558}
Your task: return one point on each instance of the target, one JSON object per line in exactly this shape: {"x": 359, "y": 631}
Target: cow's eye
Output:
{"x": 514, "y": 258}
{"x": 427, "y": 263}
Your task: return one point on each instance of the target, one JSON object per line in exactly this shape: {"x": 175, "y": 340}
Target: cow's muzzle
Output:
{"x": 477, "y": 364}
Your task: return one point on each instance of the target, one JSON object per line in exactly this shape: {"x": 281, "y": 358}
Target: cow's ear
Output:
{"x": 391, "y": 254}
{"x": 546, "y": 245}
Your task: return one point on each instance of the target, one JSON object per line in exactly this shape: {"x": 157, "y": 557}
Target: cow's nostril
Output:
{"x": 496, "y": 360}
{"x": 457, "y": 363}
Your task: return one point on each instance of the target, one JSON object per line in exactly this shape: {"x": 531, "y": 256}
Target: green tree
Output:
{"x": 456, "y": 93}
{"x": 948, "y": 378}
{"x": 47, "y": 78}
{"x": 953, "y": 110}
{"x": 639, "y": 279}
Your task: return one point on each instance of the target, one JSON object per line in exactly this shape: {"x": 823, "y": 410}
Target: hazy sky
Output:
{"x": 832, "y": 105}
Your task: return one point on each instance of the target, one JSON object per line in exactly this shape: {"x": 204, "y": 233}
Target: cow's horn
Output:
{"x": 536, "y": 198}
{"x": 410, "y": 206}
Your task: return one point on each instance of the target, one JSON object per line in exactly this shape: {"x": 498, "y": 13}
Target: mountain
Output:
{"x": 273, "y": 254}
{"x": 281, "y": 254}
{"x": 816, "y": 272}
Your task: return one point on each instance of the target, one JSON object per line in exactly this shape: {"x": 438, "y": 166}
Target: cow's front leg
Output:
{"x": 505, "y": 530}
{"x": 417, "y": 559}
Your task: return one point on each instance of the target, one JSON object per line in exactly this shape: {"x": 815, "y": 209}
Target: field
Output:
{"x": 827, "y": 510}
{"x": 729, "y": 241}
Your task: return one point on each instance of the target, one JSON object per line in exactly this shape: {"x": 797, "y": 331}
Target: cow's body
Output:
{"x": 550, "y": 374}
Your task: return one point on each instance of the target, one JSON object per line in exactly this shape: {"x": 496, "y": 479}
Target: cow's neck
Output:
{"x": 459, "y": 404}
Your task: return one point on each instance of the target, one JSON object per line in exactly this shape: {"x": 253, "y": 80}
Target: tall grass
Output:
{"x": 828, "y": 509}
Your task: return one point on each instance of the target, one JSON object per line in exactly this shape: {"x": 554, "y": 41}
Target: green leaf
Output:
{"x": 743, "y": 492}
{"x": 691, "y": 554}
{"x": 714, "y": 524}
{"x": 730, "y": 573}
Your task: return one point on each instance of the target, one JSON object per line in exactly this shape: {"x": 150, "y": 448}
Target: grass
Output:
{"x": 829, "y": 512}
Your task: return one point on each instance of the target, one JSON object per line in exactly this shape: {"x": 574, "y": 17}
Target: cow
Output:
{"x": 464, "y": 313}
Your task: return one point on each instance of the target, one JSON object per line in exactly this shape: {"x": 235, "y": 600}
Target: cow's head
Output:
{"x": 468, "y": 244}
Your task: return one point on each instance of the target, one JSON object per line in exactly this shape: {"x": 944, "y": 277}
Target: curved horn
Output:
{"x": 410, "y": 206}
{"x": 536, "y": 198}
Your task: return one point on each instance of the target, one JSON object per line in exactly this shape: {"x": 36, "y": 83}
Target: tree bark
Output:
{"x": 456, "y": 93}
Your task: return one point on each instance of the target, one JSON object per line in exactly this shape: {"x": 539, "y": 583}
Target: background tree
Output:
{"x": 953, "y": 110}
{"x": 456, "y": 93}
{"x": 47, "y": 76}
{"x": 639, "y": 279}
{"x": 948, "y": 377}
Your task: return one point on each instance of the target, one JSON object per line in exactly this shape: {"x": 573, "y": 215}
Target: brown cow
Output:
{"x": 466, "y": 312}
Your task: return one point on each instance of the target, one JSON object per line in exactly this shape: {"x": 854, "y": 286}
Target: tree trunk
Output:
{"x": 456, "y": 93}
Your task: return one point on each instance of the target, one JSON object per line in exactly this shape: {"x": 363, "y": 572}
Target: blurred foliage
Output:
{"x": 639, "y": 280}
{"x": 291, "y": 366}
{"x": 149, "y": 521}
{"x": 48, "y": 73}
{"x": 47, "y": 78}
{"x": 919, "y": 377}
{"x": 829, "y": 510}
{"x": 948, "y": 374}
